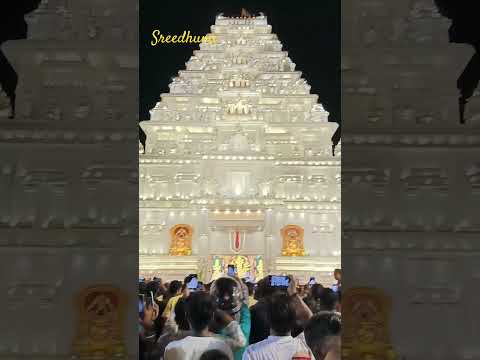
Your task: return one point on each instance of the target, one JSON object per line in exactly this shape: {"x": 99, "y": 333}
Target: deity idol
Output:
{"x": 100, "y": 323}
{"x": 181, "y": 244}
{"x": 292, "y": 241}
{"x": 217, "y": 268}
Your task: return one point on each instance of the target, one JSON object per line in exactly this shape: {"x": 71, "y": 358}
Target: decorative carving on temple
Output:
{"x": 100, "y": 323}
{"x": 195, "y": 64}
{"x": 181, "y": 240}
{"x": 473, "y": 177}
{"x": 292, "y": 236}
{"x": 366, "y": 332}
{"x": 180, "y": 86}
{"x": 238, "y": 82}
{"x": 239, "y": 143}
{"x": 240, "y": 60}
{"x": 239, "y": 108}
{"x": 418, "y": 179}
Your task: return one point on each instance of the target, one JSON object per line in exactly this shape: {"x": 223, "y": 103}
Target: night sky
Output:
{"x": 308, "y": 30}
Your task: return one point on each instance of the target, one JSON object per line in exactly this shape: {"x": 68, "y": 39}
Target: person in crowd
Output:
{"x": 181, "y": 331}
{"x": 176, "y": 292}
{"x": 146, "y": 328}
{"x": 302, "y": 291}
{"x": 214, "y": 355}
{"x": 201, "y": 308}
{"x": 302, "y": 311}
{"x": 164, "y": 294}
{"x": 328, "y": 300}
{"x": 231, "y": 296}
{"x": 156, "y": 290}
{"x": 174, "y": 288}
{"x": 313, "y": 299}
{"x": 280, "y": 345}
{"x": 230, "y": 321}
{"x": 260, "y": 328}
{"x": 322, "y": 335}
{"x": 337, "y": 274}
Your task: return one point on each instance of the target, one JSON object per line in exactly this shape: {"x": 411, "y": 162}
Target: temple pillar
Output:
{"x": 203, "y": 238}
{"x": 268, "y": 236}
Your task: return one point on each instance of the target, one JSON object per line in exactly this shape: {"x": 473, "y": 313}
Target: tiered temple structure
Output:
{"x": 238, "y": 167}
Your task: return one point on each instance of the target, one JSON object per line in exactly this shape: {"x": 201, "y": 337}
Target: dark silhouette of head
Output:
{"x": 175, "y": 287}
{"x": 214, "y": 355}
{"x": 322, "y": 332}
{"x": 281, "y": 314}
{"x": 200, "y": 310}
{"x": 264, "y": 289}
{"x": 328, "y": 299}
{"x": 181, "y": 315}
{"x": 316, "y": 291}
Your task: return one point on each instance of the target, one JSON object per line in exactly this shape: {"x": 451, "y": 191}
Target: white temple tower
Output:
{"x": 239, "y": 155}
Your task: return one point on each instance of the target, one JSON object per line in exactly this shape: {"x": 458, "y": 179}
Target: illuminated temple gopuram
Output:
{"x": 238, "y": 166}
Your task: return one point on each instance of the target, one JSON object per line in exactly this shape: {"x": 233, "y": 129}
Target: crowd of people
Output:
{"x": 238, "y": 319}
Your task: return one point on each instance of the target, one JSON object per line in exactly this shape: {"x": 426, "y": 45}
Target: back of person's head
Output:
{"x": 264, "y": 289}
{"x": 214, "y": 355}
{"x": 316, "y": 291}
{"x": 281, "y": 314}
{"x": 328, "y": 299}
{"x": 153, "y": 287}
{"x": 142, "y": 287}
{"x": 322, "y": 333}
{"x": 174, "y": 287}
{"x": 181, "y": 315}
{"x": 200, "y": 309}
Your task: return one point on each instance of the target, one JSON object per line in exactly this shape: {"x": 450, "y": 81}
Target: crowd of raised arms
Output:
{"x": 230, "y": 318}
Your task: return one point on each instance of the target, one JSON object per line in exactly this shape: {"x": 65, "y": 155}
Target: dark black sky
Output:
{"x": 308, "y": 30}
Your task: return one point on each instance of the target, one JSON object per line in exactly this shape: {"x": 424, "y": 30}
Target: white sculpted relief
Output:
{"x": 239, "y": 108}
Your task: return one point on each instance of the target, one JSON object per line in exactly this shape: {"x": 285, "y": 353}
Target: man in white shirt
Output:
{"x": 280, "y": 345}
{"x": 200, "y": 311}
